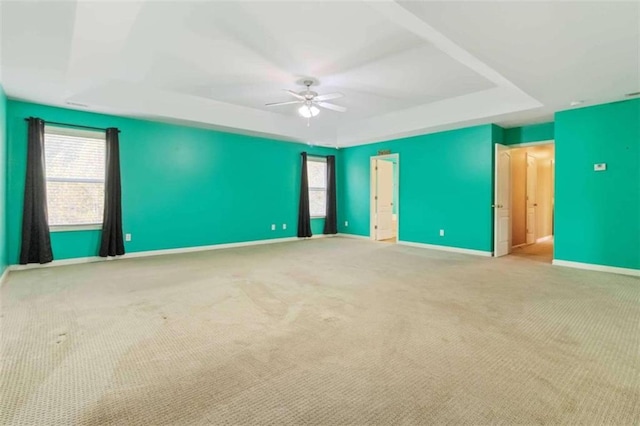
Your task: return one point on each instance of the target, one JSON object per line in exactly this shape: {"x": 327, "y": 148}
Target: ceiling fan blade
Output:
{"x": 328, "y": 96}
{"x": 333, "y": 107}
{"x": 282, "y": 103}
{"x": 295, "y": 95}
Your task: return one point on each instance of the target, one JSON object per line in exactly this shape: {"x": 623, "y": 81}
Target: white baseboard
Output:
{"x": 447, "y": 248}
{"x": 4, "y": 275}
{"x": 63, "y": 262}
{"x": 595, "y": 267}
{"x": 366, "y": 237}
{"x": 313, "y": 237}
{"x": 132, "y": 255}
{"x": 206, "y": 248}
{"x": 542, "y": 239}
{"x": 360, "y": 237}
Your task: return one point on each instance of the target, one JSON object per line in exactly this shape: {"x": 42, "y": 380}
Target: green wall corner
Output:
{"x": 526, "y": 134}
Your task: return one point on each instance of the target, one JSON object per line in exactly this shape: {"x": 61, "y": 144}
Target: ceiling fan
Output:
{"x": 310, "y": 101}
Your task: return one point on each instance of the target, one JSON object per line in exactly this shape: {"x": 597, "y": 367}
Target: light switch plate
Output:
{"x": 600, "y": 167}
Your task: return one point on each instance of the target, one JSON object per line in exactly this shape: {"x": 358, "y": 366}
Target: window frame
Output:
{"x": 81, "y": 133}
{"x": 318, "y": 159}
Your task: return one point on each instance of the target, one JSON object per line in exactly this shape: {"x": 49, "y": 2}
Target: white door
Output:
{"x": 384, "y": 200}
{"x": 502, "y": 204}
{"x": 532, "y": 185}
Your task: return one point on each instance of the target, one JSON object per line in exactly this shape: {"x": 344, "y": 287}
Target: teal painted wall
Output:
{"x": 445, "y": 183}
{"x": 532, "y": 133}
{"x": 498, "y": 134}
{"x": 597, "y": 214}
{"x": 4, "y": 259}
{"x": 181, "y": 186}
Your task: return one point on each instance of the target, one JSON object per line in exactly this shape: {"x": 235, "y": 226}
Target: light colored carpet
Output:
{"x": 331, "y": 331}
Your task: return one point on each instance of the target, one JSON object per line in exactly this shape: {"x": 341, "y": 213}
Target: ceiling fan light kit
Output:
{"x": 308, "y": 111}
{"x": 310, "y": 101}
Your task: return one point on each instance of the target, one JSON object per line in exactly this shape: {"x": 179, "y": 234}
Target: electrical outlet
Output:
{"x": 346, "y": 223}
{"x": 284, "y": 226}
{"x": 442, "y": 232}
{"x": 127, "y": 237}
{"x": 273, "y": 226}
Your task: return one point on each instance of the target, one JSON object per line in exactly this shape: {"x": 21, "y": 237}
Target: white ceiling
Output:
{"x": 404, "y": 67}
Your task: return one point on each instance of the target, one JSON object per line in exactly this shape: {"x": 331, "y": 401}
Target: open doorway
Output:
{"x": 384, "y": 197}
{"x": 524, "y": 205}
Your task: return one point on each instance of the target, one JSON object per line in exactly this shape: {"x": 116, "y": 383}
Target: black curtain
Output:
{"x": 331, "y": 219}
{"x": 112, "y": 243}
{"x": 304, "y": 217}
{"x": 36, "y": 241}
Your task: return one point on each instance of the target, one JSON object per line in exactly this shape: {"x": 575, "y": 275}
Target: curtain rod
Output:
{"x": 74, "y": 125}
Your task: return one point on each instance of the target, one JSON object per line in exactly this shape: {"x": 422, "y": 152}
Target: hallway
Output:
{"x": 538, "y": 252}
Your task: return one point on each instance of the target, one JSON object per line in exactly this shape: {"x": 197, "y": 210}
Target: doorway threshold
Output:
{"x": 538, "y": 252}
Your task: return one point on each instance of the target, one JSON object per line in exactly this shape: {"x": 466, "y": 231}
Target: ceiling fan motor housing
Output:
{"x": 310, "y": 101}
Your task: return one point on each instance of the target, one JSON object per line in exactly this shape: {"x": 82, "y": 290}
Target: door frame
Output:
{"x": 498, "y": 148}
{"x": 531, "y": 223}
{"x": 373, "y": 186}
{"x": 495, "y": 186}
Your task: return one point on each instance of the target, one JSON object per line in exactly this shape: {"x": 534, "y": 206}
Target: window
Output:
{"x": 317, "y": 173}
{"x": 75, "y": 171}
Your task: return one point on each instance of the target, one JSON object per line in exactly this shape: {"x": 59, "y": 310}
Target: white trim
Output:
{"x": 365, "y": 237}
{"x": 210, "y": 247}
{"x": 395, "y": 157}
{"x": 447, "y": 248}
{"x": 519, "y": 245}
{"x": 73, "y": 228}
{"x": 4, "y": 275}
{"x": 324, "y": 189}
{"x": 69, "y": 130}
{"x": 63, "y": 262}
{"x": 543, "y": 239}
{"x": 359, "y": 237}
{"x": 133, "y": 255}
{"x": 595, "y": 267}
{"x": 313, "y": 237}
{"x": 498, "y": 149}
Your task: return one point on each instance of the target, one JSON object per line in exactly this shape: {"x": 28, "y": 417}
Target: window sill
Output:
{"x": 68, "y": 228}
{"x": 318, "y": 217}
